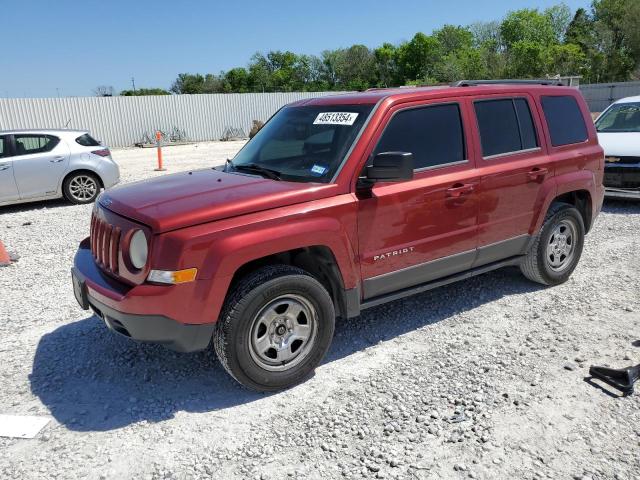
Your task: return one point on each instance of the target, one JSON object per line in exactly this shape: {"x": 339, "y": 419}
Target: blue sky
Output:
{"x": 69, "y": 47}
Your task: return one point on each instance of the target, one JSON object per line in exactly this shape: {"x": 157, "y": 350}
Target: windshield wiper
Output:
{"x": 255, "y": 168}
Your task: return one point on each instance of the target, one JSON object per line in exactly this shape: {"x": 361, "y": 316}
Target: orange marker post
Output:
{"x": 4, "y": 256}
{"x": 158, "y": 139}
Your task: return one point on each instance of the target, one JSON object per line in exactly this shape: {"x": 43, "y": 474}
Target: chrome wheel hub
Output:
{"x": 283, "y": 332}
{"x": 83, "y": 187}
{"x": 561, "y": 246}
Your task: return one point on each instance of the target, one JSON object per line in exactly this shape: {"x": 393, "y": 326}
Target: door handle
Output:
{"x": 537, "y": 172}
{"x": 459, "y": 189}
{"x": 4, "y": 166}
{"x": 57, "y": 159}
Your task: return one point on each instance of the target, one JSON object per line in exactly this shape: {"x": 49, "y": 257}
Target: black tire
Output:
{"x": 237, "y": 328}
{"x": 538, "y": 265}
{"x": 81, "y": 187}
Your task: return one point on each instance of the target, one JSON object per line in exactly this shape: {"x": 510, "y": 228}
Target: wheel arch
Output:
{"x": 81, "y": 170}
{"x": 582, "y": 201}
{"x": 577, "y": 189}
{"x": 318, "y": 260}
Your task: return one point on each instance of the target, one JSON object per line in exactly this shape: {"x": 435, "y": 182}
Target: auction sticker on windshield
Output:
{"x": 335, "y": 118}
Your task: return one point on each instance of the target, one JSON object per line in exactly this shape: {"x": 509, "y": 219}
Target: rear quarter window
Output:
{"x": 565, "y": 120}
{"x": 505, "y": 126}
{"x": 87, "y": 140}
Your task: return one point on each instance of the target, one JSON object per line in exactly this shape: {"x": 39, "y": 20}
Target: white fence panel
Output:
{"x": 600, "y": 95}
{"x": 123, "y": 121}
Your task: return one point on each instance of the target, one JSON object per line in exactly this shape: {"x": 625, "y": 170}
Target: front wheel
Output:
{"x": 557, "y": 247}
{"x": 275, "y": 328}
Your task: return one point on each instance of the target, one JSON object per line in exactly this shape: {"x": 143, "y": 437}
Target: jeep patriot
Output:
{"x": 339, "y": 204}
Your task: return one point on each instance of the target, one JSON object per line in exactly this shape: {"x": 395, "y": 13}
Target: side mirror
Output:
{"x": 390, "y": 167}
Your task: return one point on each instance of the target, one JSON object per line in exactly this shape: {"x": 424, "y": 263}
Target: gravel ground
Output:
{"x": 481, "y": 379}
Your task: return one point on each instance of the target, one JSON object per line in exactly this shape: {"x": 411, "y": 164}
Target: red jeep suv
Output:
{"x": 339, "y": 204}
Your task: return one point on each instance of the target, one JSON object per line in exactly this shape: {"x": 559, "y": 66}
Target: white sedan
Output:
{"x": 619, "y": 134}
{"x": 46, "y": 164}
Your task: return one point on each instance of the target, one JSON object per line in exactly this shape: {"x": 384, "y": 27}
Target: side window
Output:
{"x": 505, "y": 125}
{"x": 28, "y": 144}
{"x": 432, "y": 133}
{"x": 565, "y": 120}
{"x": 4, "y": 146}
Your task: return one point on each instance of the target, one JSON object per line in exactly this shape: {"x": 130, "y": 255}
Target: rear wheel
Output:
{"x": 81, "y": 187}
{"x": 557, "y": 247}
{"x": 275, "y": 328}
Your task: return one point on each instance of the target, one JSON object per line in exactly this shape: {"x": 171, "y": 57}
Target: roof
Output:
{"x": 373, "y": 96}
{"x": 629, "y": 100}
{"x": 59, "y": 131}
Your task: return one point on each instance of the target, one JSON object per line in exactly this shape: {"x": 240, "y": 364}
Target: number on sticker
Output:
{"x": 335, "y": 118}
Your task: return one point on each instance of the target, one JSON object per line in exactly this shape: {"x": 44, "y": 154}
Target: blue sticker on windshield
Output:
{"x": 318, "y": 170}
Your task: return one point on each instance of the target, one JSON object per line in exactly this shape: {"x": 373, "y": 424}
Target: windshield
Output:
{"x": 303, "y": 144}
{"x": 623, "y": 117}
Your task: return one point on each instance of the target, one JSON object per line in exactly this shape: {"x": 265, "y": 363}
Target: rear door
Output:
{"x": 513, "y": 164}
{"x": 8, "y": 187}
{"x": 39, "y": 163}
{"x": 416, "y": 231}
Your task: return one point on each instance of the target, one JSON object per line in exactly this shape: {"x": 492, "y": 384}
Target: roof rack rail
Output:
{"x": 471, "y": 83}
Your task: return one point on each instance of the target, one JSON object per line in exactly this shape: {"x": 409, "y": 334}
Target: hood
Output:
{"x": 190, "y": 198}
{"x": 620, "y": 144}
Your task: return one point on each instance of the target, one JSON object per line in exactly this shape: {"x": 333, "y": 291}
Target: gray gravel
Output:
{"x": 481, "y": 379}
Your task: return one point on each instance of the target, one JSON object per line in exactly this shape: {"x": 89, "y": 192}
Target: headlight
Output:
{"x": 138, "y": 249}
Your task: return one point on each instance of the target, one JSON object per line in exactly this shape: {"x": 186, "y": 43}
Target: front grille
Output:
{"x": 622, "y": 177}
{"x": 105, "y": 244}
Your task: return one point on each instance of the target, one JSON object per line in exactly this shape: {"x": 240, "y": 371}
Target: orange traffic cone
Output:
{"x": 4, "y": 256}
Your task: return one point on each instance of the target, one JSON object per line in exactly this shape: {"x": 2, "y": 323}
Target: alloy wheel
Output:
{"x": 83, "y": 188}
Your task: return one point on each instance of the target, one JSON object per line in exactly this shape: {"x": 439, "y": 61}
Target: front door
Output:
{"x": 415, "y": 231}
{"x": 39, "y": 163}
{"x": 8, "y": 187}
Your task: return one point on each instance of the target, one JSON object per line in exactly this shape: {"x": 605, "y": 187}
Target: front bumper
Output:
{"x": 622, "y": 193}
{"x": 154, "y": 328}
{"x": 622, "y": 180}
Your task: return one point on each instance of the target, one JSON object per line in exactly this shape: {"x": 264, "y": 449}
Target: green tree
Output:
{"x": 486, "y": 33}
{"x": 236, "y": 80}
{"x": 452, "y": 38}
{"x": 526, "y": 59}
{"x": 566, "y": 59}
{"x": 601, "y": 44}
{"x": 616, "y": 32}
{"x": 140, "y": 92}
{"x": 356, "y": 68}
{"x": 529, "y": 26}
{"x": 386, "y": 64}
{"x": 213, "y": 83}
{"x": 188, "y": 83}
{"x": 560, "y": 17}
{"x": 418, "y": 57}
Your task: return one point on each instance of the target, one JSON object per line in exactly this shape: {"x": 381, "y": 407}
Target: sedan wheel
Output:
{"x": 81, "y": 188}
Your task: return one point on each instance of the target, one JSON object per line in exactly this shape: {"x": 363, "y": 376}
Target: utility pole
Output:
{"x": 133, "y": 84}
{"x": 58, "y": 92}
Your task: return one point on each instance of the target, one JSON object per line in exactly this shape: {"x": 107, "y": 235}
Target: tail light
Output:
{"x": 103, "y": 152}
